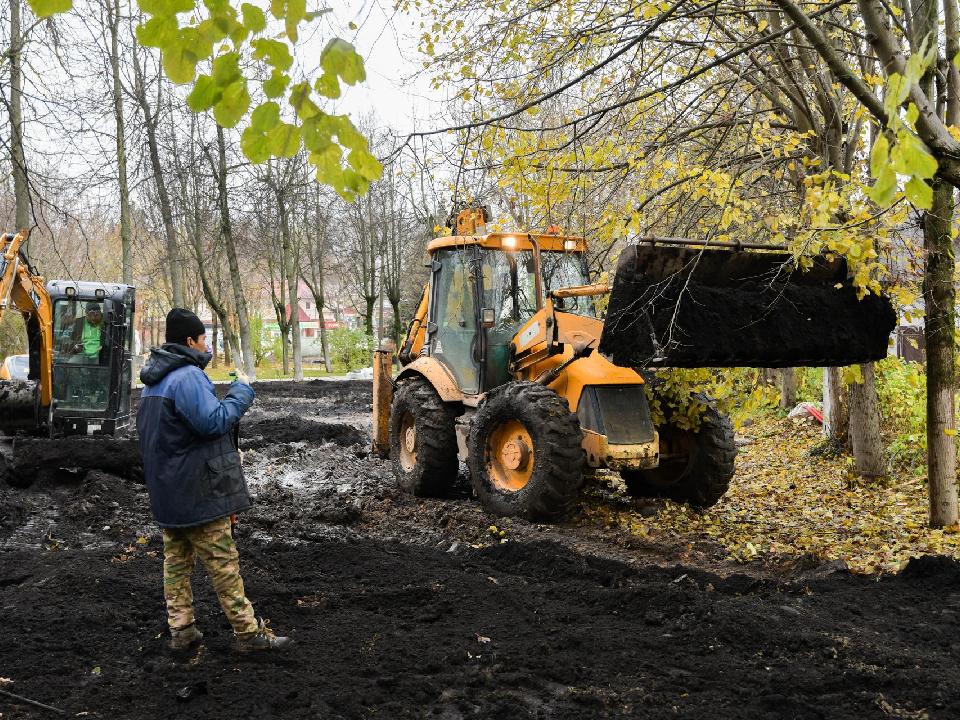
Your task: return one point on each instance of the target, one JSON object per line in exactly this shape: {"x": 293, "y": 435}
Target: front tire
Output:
{"x": 524, "y": 452}
{"x": 699, "y": 466}
{"x": 423, "y": 439}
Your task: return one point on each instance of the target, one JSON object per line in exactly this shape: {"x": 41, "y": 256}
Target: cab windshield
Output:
{"x": 510, "y": 288}
{"x": 81, "y": 372}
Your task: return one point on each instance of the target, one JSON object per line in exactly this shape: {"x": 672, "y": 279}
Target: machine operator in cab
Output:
{"x": 86, "y": 337}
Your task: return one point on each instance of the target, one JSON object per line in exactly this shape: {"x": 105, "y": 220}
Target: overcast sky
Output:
{"x": 387, "y": 40}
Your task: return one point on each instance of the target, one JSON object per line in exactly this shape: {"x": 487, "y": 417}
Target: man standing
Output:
{"x": 195, "y": 482}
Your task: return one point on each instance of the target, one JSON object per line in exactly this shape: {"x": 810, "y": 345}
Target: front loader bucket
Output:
{"x": 703, "y": 307}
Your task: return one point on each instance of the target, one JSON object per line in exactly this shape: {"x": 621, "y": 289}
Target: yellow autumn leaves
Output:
{"x": 783, "y": 503}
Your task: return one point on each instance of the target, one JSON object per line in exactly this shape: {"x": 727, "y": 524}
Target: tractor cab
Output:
{"x": 92, "y": 357}
{"x": 485, "y": 289}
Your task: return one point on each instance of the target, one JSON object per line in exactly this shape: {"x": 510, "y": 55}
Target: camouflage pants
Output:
{"x": 213, "y": 543}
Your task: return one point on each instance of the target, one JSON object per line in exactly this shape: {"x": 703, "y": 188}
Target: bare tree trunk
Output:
{"x": 865, "y": 425}
{"x": 280, "y": 304}
{"x": 939, "y": 300}
{"x": 227, "y": 357}
{"x": 788, "y": 388}
{"x": 380, "y": 327}
{"x": 150, "y": 124}
{"x": 214, "y": 335}
{"x": 126, "y": 240}
{"x": 293, "y": 277}
{"x": 217, "y": 307}
{"x": 243, "y": 318}
{"x": 836, "y": 412}
{"x": 17, "y": 156}
{"x": 316, "y": 246}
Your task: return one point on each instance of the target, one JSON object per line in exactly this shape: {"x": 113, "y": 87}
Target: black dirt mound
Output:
{"x": 935, "y": 569}
{"x": 354, "y": 394}
{"x": 260, "y": 433}
{"x": 343, "y": 395}
{"x": 400, "y": 631}
{"x": 117, "y": 455}
{"x": 773, "y": 321}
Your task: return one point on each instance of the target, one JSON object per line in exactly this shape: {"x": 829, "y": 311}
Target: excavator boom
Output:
{"x": 23, "y": 289}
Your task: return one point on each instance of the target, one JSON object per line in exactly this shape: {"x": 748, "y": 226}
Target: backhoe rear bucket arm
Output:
{"x": 21, "y": 286}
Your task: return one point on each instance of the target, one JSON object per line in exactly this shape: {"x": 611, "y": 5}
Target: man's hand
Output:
{"x": 239, "y": 376}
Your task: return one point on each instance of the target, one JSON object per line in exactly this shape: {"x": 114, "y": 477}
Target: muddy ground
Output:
{"x": 402, "y": 608}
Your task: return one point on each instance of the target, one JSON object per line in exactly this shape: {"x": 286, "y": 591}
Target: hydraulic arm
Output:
{"x": 22, "y": 288}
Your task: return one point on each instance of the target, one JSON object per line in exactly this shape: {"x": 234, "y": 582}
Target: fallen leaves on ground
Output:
{"x": 784, "y": 503}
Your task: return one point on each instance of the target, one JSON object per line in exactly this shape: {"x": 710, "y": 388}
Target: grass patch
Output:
{"x": 271, "y": 372}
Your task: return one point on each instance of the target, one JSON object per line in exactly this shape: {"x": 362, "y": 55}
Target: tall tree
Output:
{"x": 126, "y": 240}
{"x": 18, "y": 159}
{"x": 151, "y": 117}
{"x": 226, "y": 229}
{"x": 316, "y": 244}
{"x": 916, "y": 115}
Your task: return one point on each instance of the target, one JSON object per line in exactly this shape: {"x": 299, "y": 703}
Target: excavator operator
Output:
{"x": 88, "y": 336}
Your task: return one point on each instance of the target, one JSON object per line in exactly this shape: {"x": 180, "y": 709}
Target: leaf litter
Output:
{"x": 787, "y": 500}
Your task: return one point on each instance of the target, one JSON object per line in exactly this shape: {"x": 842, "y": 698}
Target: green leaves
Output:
{"x": 254, "y": 146}
{"x": 224, "y": 89}
{"x": 253, "y": 18}
{"x": 179, "y": 64}
{"x": 158, "y": 32}
{"x": 292, "y": 12}
{"x": 908, "y": 156}
{"x": 266, "y": 117}
{"x": 233, "y": 104}
{"x": 301, "y": 102}
{"x": 205, "y": 94}
{"x": 48, "y": 8}
{"x": 340, "y": 58}
{"x": 919, "y": 193}
{"x": 276, "y": 85}
{"x": 275, "y": 52}
{"x": 878, "y": 155}
{"x": 283, "y": 140}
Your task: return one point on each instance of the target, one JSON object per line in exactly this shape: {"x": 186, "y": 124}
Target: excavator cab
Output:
{"x": 80, "y": 343}
{"x": 92, "y": 357}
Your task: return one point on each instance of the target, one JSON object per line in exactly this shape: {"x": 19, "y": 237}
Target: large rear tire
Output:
{"x": 698, "y": 465}
{"x": 423, "y": 439}
{"x": 524, "y": 452}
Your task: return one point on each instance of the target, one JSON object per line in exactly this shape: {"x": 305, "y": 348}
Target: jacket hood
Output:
{"x": 170, "y": 357}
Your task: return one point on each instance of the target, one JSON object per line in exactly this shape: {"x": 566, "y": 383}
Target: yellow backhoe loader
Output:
{"x": 80, "y": 338}
{"x": 507, "y": 367}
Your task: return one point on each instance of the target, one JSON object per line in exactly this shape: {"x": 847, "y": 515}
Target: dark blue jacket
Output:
{"x": 190, "y": 463}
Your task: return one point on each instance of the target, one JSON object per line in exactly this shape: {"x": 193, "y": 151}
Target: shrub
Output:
{"x": 902, "y": 392}
{"x": 260, "y": 340}
{"x": 350, "y": 349}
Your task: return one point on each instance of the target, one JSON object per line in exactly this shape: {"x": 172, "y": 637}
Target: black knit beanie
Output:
{"x": 182, "y": 324}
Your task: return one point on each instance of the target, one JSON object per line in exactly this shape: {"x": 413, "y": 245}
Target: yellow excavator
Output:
{"x": 80, "y": 348}
{"x": 507, "y": 366}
